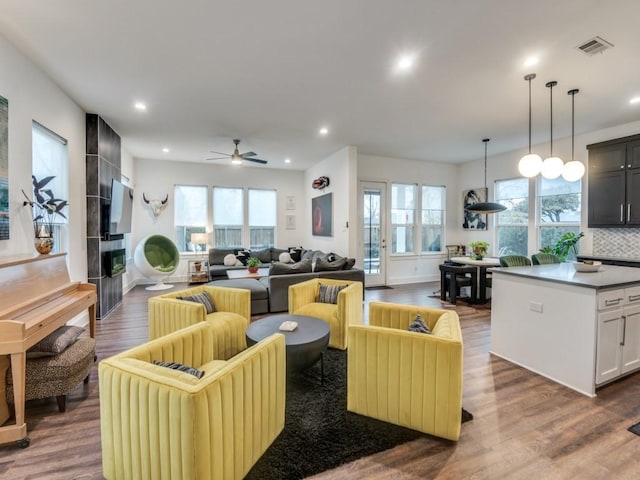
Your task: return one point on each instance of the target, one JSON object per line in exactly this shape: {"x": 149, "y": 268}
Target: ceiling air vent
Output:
{"x": 593, "y": 46}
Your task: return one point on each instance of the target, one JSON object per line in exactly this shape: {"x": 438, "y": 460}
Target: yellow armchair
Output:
{"x": 303, "y": 301}
{"x": 168, "y": 314}
{"x": 407, "y": 378}
{"x": 162, "y": 423}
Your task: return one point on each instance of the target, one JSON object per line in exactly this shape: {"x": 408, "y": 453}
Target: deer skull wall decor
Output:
{"x": 155, "y": 206}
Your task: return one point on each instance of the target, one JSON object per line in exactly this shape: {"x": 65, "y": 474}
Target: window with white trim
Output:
{"x": 262, "y": 218}
{"x": 432, "y": 218}
{"x": 512, "y": 225}
{"x": 228, "y": 217}
{"x": 403, "y": 217}
{"x": 190, "y": 215}
{"x": 558, "y": 209}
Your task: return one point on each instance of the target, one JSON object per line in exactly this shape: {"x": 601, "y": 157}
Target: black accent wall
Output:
{"x": 103, "y": 164}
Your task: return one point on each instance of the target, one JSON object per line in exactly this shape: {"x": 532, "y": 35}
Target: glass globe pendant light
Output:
{"x": 531, "y": 163}
{"x": 573, "y": 170}
{"x": 552, "y": 166}
{"x": 485, "y": 207}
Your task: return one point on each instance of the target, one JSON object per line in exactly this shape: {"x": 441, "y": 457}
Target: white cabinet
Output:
{"x": 618, "y": 340}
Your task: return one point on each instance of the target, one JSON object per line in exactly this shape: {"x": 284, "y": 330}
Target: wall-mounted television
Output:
{"x": 120, "y": 209}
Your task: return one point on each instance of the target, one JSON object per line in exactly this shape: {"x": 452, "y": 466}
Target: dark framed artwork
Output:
{"x": 322, "y": 215}
{"x": 474, "y": 221}
{"x": 4, "y": 169}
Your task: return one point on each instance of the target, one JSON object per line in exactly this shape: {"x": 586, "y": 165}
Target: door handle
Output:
{"x": 621, "y": 213}
{"x": 628, "y": 211}
{"x": 624, "y": 329}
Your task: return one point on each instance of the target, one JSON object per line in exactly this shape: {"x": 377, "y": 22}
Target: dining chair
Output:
{"x": 544, "y": 258}
{"x": 454, "y": 277}
{"x": 514, "y": 261}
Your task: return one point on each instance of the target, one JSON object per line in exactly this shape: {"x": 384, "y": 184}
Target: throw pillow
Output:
{"x": 327, "y": 266}
{"x": 285, "y": 258}
{"x": 329, "y": 293}
{"x": 243, "y": 256}
{"x": 263, "y": 255}
{"x": 230, "y": 260}
{"x": 279, "y": 268}
{"x": 296, "y": 253}
{"x": 349, "y": 263}
{"x": 56, "y": 341}
{"x": 202, "y": 298}
{"x": 179, "y": 366}
{"x": 418, "y": 325}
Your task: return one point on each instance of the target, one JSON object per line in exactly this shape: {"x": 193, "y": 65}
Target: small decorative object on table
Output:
{"x": 479, "y": 249}
{"x": 45, "y": 207}
{"x": 587, "y": 266}
{"x": 253, "y": 263}
{"x": 288, "y": 326}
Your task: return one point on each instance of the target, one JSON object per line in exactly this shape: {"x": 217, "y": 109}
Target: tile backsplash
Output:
{"x": 617, "y": 242}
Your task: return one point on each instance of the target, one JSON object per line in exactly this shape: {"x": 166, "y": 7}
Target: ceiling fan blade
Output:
{"x": 217, "y": 158}
{"x": 248, "y": 154}
{"x": 256, "y": 160}
{"x": 220, "y": 153}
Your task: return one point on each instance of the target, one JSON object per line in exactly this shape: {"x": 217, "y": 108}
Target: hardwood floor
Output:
{"x": 525, "y": 426}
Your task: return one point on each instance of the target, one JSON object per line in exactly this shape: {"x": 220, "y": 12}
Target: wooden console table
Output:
{"x": 37, "y": 296}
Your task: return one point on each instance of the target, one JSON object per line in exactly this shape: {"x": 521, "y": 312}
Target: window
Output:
{"x": 512, "y": 225}
{"x": 228, "y": 217}
{"x": 403, "y": 212}
{"x": 558, "y": 209}
{"x": 262, "y": 218}
{"x": 433, "y": 214}
{"x": 190, "y": 215}
{"x": 50, "y": 158}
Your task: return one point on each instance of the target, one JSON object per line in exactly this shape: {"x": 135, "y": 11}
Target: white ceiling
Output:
{"x": 273, "y": 72}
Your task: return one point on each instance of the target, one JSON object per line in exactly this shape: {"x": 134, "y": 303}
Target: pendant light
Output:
{"x": 552, "y": 166}
{"x": 485, "y": 207}
{"x": 573, "y": 170}
{"x": 531, "y": 163}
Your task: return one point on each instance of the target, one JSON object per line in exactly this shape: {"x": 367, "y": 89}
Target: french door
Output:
{"x": 373, "y": 231}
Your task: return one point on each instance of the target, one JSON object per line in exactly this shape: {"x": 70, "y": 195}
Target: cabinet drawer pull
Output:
{"x": 633, "y": 298}
{"x": 624, "y": 329}
{"x": 628, "y": 211}
{"x": 615, "y": 301}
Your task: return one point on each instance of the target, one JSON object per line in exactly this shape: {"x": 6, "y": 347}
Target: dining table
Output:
{"x": 482, "y": 265}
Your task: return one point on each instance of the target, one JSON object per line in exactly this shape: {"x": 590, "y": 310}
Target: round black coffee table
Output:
{"x": 305, "y": 345}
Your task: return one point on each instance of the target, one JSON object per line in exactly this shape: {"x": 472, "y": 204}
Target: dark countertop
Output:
{"x": 624, "y": 261}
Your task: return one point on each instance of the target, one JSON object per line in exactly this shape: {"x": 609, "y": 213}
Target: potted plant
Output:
{"x": 45, "y": 208}
{"x": 479, "y": 248}
{"x": 568, "y": 244}
{"x": 253, "y": 263}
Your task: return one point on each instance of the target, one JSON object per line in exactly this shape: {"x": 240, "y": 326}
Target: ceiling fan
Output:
{"x": 237, "y": 157}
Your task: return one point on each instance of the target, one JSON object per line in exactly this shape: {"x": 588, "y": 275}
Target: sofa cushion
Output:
{"x": 56, "y": 342}
{"x": 216, "y": 255}
{"x": 278, "y": 268}
{"x": 202, "y": 298}
{"x": 418, "y": 325}
{"x": 296, "y": 253}
{"x": 243, "y": 256}
{"x": 329, "y": 293}
{"x": 180, "y": 367}
{"x": 263, "y": 255}
{"x": 285, "y": 257}
{"x": 275, "y": 253}
{"x": 323, "y": 265}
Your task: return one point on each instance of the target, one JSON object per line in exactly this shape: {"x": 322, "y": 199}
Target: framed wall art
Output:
{"x": 472, "y": 220}
{"x": 322, "y": 215}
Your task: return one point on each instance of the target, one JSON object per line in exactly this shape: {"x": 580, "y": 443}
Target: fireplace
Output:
{"x": 115, "y": 262}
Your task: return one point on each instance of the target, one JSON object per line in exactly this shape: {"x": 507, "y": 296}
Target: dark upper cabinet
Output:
{"x": 614, "y": 183}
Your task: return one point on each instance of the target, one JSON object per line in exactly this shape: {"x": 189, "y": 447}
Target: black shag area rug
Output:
{"x": 319, "y": 434}
{"x": 635, "y": 428}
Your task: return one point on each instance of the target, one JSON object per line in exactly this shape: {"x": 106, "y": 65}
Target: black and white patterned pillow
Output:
{"x": 202, "y": 298}
{"x": 418, "y": 325}
{"x": 243, "y": 256}
{"x": 329, "y": 293}
{"x": 56, "y": 342}
{"x": 179, "y": 366}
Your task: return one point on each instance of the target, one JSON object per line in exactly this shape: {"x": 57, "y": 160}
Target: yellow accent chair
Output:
{"x": 407, "y": 378}
{"x": 168, "y": 314}
{"x": 159, "y": 423}
{"x": 303, "y": 300}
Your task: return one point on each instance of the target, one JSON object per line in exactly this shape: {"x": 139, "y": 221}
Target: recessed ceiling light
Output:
{"x": 324, "y": 131}
{"x": 140, "y": 106}
{"x": 531, "y": 61}
{"x": 165, "y": 150}
{"x": 405, "y": 63}
{"x": 287, "y": 160}
{"x": 634, "y": 100}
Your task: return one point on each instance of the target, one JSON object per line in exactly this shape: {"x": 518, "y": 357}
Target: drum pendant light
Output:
{"x": 552, "y": 166}
{"x": 485, "y": 207}
{"x": 573, "y": 170}
{"x": 531, "y": 163}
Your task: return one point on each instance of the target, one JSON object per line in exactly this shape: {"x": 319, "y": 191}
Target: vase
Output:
{"x": 43, "y": 245}
{"x": 253, "y": 269}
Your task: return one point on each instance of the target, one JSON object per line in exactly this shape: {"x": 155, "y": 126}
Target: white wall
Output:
{"x": 341, "y": 169}
{"x": 418, "y": 267}
{"x": 33, "y": 96}
{"x": 127, "y": 169}
{"x": 157, "y": 178}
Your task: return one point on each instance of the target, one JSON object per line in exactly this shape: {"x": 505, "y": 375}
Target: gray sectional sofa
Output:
{"x": 271, "y": 294}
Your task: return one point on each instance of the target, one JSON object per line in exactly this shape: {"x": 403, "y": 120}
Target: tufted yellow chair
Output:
{"x": 303, "y": 301}
{"x": 407, "y": 378}
{"x": 158, "y": 423}
{"x": 168, "y": 314}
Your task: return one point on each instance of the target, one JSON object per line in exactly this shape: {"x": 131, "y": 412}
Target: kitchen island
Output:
{"x": 579, "y": 329}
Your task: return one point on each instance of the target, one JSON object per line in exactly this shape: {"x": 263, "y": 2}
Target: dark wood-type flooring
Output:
{"x": 525, "y": 426}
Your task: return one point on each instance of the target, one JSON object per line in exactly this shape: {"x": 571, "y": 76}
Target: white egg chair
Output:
{"x": 157, "y": 258}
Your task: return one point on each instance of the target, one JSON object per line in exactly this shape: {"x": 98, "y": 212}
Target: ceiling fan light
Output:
{"x": 573, "y": 171}
{"x": 530, "y": 165}
{"x": 552, "y": 167}
{"x": 236, "y": 161}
